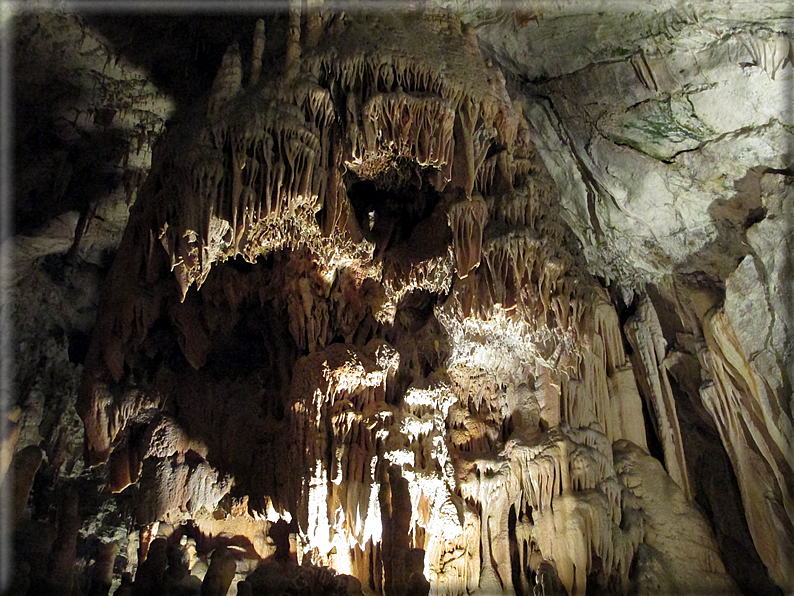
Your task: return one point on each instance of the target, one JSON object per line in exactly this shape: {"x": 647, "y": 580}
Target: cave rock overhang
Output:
{"x": 269, "y": 165}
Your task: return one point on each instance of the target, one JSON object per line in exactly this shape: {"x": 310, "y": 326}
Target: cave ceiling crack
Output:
{"x": 745, "y": 130}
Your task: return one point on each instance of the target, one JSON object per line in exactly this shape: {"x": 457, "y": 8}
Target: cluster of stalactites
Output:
{"x": 406, "y": 125}
{"x": 242, "y": 180}
{"x": 568, "y": 461}
{"x": 593, "y": 542}
{"x": 519, "y": 274}
{"x": 268, "y": 164}
{"x": 476, "y": 422}
{"x": 343, "y": 418}
{"x": 509, "y": 257}
{"x": 560, "y": 488}
{"x": 570, "y": 478}
{"x": 253, "y": 178}
{"x": 567, "y": 506}
{"x": 360, "y": 447}
{"x": 400, "y": 278}
{"x": 602, "y": 387}
{"x": 542, "y": 449}
{"x": 367, "y": 74}
{"x": 439, "y": 104}
{"x": 351, "y": 439}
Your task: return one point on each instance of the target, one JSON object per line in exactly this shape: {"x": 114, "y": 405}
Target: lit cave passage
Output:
{"x": 402, "y": 305}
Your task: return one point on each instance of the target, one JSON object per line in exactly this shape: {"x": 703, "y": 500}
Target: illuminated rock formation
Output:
{"x": 413, "y": 461}
{"x": 353, "y": 342}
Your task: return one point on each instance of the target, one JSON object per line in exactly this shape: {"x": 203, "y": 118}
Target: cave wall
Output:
{"x": 404, "y": 303}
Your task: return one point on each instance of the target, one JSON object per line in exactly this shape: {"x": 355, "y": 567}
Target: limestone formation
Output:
{"x": 400, "y": 309}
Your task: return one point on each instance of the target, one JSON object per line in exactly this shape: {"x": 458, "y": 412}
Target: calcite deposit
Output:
{"x": 376, "y": 325}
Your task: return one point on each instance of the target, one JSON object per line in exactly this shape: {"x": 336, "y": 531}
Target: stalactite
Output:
{"x": 315, "y": 16}
{"x": 465, "y": 169}
{"x": 771, "y": 52}
{"x": 292, "y": 60}
{"x": 467, "y": 220}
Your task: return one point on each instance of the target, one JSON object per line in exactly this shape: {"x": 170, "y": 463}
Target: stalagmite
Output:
{"x": 220, "y": 573}
{"x": 102, "y": 571}
{"x": 23, "y": 470}
{"x": 61, "y": 564}
{"x": 256, "y": 55}
{"x": 670, "y": 517}
{"x": 8, "y": 442}
{"x": 227, "y": 82}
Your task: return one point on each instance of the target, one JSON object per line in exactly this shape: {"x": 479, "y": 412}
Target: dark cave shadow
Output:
{"x": 59, "y": 167}
{"x": 181, "y": 52}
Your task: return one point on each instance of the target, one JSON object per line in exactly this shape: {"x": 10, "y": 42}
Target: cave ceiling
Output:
{"x": 453, "y": 298}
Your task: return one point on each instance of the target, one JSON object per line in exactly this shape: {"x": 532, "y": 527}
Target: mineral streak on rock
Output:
{"x": 761, "y": 451}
